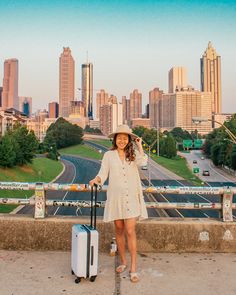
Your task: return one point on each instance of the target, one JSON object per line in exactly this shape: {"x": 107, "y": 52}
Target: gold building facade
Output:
{"x": 211, "y": 77}
{"x": 66, "y": 82}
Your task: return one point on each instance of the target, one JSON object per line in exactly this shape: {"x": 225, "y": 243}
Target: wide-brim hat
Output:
{"x": 123, "y": 129}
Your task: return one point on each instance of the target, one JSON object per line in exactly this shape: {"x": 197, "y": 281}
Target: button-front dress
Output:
{"x": 124, "y": 193}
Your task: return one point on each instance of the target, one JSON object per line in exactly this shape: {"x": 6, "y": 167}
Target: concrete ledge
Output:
{"x": 22, "y": 232}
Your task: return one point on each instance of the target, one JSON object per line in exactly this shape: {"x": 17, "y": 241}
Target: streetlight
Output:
{"x": 149, "y": 157}
{"x": 157, "y": 141}
{"x": 198, "y": 120}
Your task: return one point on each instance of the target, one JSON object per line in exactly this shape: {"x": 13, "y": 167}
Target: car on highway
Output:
{"x": 144, "y": 167}
{"x": 202, "y": 158}
{"x": 194, "y": 161}
{"x": 206, "y": 173}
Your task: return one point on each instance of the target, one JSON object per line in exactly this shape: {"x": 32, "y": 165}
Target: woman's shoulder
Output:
{"x": 109, "y": 153}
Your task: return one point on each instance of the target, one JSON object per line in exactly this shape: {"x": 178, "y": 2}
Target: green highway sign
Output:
{"x": 198, "y": 143}
{"x": 196, "y": 170}
{"x": 187, "y": 143}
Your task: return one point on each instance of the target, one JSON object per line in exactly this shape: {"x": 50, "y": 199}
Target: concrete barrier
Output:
{"x": 22, "y": 232}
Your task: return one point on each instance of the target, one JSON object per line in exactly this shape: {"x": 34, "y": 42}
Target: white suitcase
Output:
{"x": 84, "y": 250}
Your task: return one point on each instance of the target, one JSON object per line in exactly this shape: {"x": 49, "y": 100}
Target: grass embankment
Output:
{"x": 82, "y": 150}
{"x": 42, "y": 169}
{"x": 179, "y": 166}
{"x": 105, "y": 142}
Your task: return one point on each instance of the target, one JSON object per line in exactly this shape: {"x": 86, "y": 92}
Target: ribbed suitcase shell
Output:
{"x": 84, "y": 252}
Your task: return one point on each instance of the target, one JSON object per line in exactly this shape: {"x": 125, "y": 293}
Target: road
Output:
{"x": 79, "y": 170}
{"x": 66, "y": 177}
{"x": 85, "y": 170}
{"x": 160, "y": 176}
{"x": 216, "y": 174}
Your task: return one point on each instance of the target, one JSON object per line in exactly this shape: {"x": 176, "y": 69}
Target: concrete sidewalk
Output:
{"x": 40, "y": 273}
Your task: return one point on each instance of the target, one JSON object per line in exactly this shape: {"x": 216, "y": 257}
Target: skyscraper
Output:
{"x": 10, "y": 85}
{"x": 211, "y": 77}
{"x": 66, "y": 82}
{"x": 177, "y": 77}
{"x": 101, "y": 99}
{"x": 178, "y": 109}
{"x": 126, "y": 110}
{"x": 111, "y": 116}
{"x": 135, "y": 104}
{"x": 154, "y": 97}
{"x": 87, "y": 89}
{"x": 53, "y": 108}
{"x": 1, "y": 97}
{"x": 25, "y": 105}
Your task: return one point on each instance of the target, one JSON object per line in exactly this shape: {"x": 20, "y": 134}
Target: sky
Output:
{"x": 132, "y": 44}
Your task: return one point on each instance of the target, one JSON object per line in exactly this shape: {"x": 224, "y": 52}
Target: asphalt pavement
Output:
{"x": 216, "y": 174}
{"x": 66, "y": 177}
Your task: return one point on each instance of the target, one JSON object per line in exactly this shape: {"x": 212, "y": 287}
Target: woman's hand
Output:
{"x": 138, "y": 142}
{"x": 96, "y": 180}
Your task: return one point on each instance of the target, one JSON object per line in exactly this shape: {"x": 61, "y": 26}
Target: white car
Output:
{"x": 144, "y": 167}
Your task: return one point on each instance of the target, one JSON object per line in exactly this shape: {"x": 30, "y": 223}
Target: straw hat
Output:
{"x": 123, "y": 129}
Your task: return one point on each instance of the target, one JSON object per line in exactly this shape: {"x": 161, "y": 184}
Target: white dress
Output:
{"x": 124, "y": 193}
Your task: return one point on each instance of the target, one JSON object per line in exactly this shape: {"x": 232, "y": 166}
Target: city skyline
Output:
{"x": 131, "y": 44}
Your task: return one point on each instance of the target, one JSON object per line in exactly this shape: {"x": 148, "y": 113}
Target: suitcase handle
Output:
{"x": 93, "y": 216}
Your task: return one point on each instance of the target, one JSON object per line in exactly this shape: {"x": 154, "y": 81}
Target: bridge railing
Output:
{"x": 40, "y": 201}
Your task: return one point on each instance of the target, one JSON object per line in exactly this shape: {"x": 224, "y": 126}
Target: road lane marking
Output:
{"x": 152, "y": 196}
{"x": 229, "y": 180}
{"x": 67, "y": 191}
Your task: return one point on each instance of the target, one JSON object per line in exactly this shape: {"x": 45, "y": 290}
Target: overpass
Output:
{"x": 175, "y": 255}
{"x": 154, "y": 234}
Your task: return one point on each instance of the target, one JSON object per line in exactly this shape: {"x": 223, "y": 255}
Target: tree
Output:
{"x": 92, "y": 130}
{"x": 25, "y": 144}
{"x": 169, "y": 147}
{"x": 63, "y": 134}
{"x": 218, "y": 146}
{"x": 7, "y": 152}
{"x": 233, "y": 158}
{"x": 149, "y": 136}
{"x": 179, "y": 134}
{"x": 195, "y": 135}
{"x": 217, "y": 154}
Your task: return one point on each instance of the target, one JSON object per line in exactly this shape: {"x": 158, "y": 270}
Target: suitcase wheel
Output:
{"x": 93, "y": 278}
{"x": 77, "y": 280}
{"x": 72, "y": 272}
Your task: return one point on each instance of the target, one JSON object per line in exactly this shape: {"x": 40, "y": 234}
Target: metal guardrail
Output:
{"x": 40, "y": 202}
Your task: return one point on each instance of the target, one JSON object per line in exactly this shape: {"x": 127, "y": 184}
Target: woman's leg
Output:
{"x": 132, "y": 244}
{"x": 120, "y": 239}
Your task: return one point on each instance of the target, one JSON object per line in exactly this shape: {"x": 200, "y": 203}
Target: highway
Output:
{"x": 163, "y": 177}
{"x": 85, "y": 170}
{"x": 79, "y": 170}
{"x": 66, "y": 177}
{"x": 216, "y": 174}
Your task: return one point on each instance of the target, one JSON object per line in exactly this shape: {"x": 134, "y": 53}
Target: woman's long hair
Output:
{"x": 129, "y": 149}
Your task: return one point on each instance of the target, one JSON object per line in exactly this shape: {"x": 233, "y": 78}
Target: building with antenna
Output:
{"x": 211, "y": 77}
{"x": 66, "y": 82}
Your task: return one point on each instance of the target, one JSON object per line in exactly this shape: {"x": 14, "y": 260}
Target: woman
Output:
{"x": 125, "y": 201}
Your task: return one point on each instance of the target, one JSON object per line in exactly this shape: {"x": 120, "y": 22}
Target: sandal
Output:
{"x": 121, "y": 268}
{"x": 134, "y": 278}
